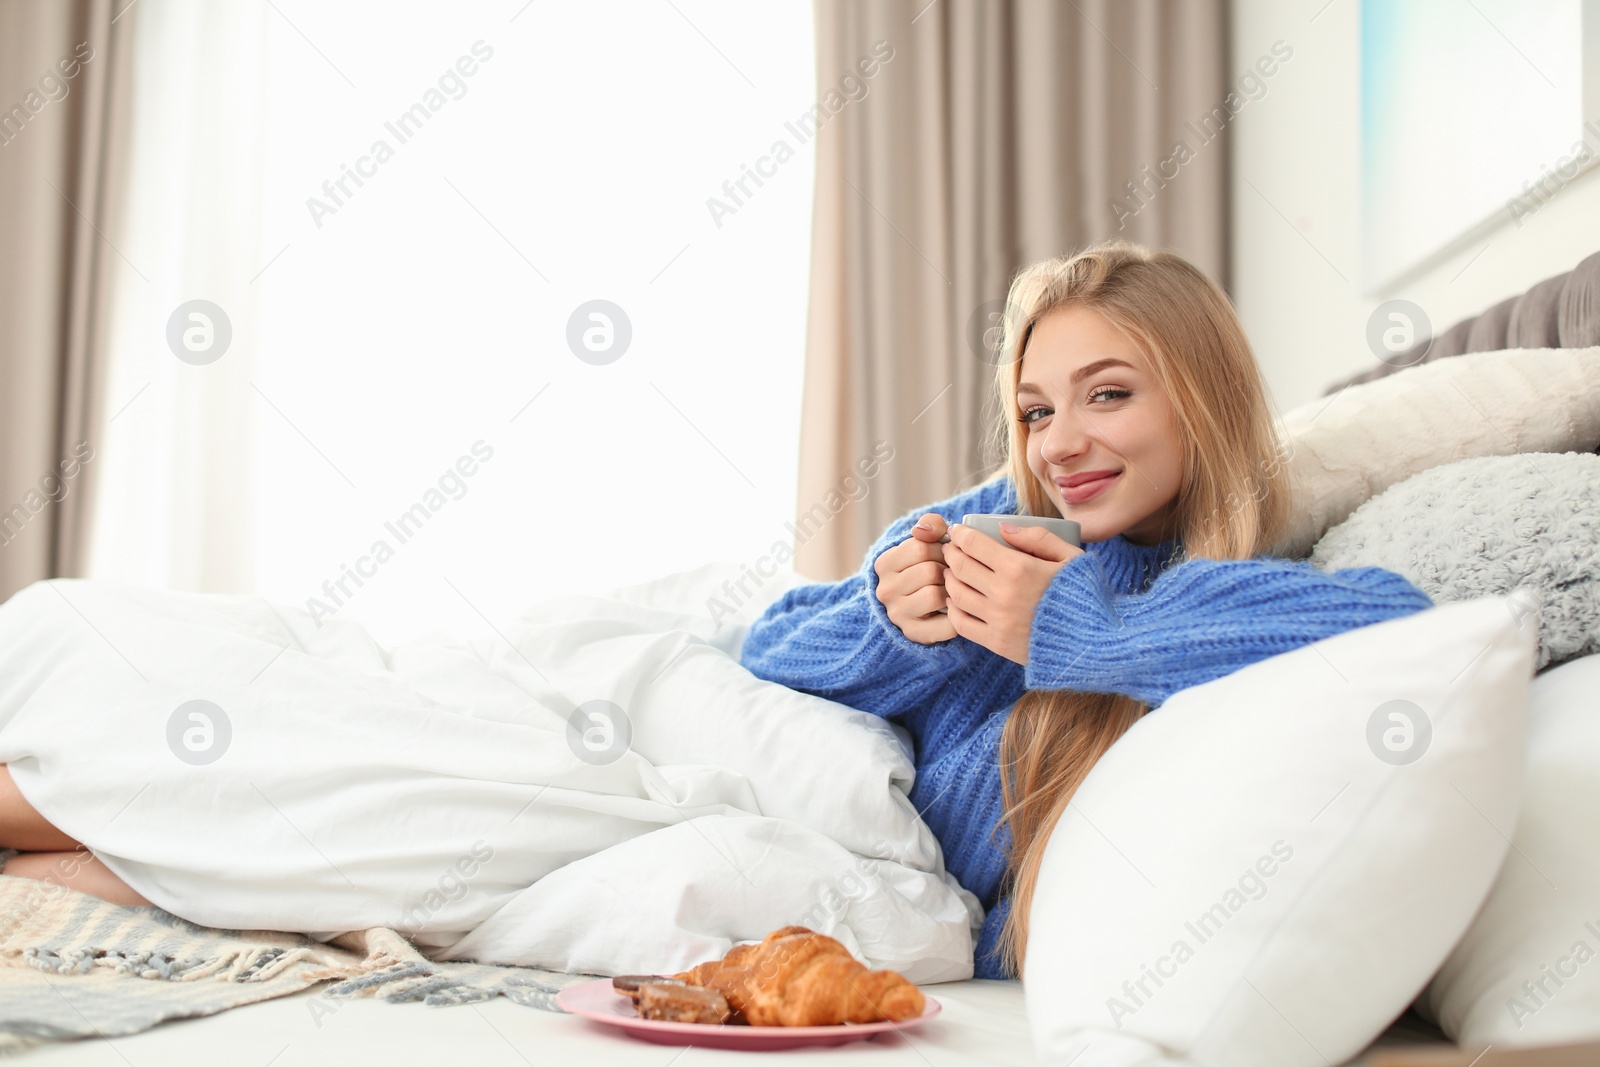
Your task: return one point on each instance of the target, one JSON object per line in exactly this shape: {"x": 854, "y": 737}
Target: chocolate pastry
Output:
{"x": 628, "y": 984}
{"x": 674, "y": 1002}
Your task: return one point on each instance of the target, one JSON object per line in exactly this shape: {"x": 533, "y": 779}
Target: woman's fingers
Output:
{"x": 930, "y": 528}
{"x": 926, "y": 601}
{"x": 911, "y": 583}
{"x": 983, "y": 550}
{"x": 911, "y": 603}
{"x": 903, "y": 583}
{"x": 968, "y": 625}
{"x": 930, "y": 630}
{"x": 961, "y": 595}
{"x": 928, "y": 572}
{"x": 961, "y": 566}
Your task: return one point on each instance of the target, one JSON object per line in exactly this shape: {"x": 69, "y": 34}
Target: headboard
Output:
{"x": 1559, "y": 312}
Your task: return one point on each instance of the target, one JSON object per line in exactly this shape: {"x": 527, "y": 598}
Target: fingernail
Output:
{"x": 923, "y": 526}
{"x": 1009, "y": 527}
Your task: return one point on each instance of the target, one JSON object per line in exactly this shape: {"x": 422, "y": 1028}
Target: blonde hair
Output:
{"x": 1231, "y": 504}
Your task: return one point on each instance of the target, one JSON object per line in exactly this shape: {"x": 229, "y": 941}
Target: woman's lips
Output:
{"x": 1080, "y": 493}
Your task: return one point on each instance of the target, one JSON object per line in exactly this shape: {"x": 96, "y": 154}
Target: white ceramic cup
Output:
{"x": 1065, "y": 529}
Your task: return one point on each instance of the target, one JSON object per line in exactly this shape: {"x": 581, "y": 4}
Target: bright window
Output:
{"x": 511, "y": 163}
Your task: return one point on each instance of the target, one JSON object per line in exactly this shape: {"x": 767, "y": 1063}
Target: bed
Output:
{"x": 981, "y": 1021}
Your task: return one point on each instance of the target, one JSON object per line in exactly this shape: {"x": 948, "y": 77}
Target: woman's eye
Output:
{"x": 1102, "y": 394}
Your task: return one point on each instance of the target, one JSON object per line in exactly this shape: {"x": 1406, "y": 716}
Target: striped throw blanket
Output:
{"x": 72, "y": 965}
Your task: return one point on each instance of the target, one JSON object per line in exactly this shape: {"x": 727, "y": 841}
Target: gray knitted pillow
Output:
{"x": 1527, "y": 524}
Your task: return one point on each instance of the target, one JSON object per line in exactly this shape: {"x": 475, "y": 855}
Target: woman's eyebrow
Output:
{"x": 1081, "y": 373}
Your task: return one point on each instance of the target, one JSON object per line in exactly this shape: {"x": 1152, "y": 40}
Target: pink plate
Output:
{"x": 600, "y": 1003}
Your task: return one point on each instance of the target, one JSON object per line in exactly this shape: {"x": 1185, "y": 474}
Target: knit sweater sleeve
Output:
{"x": 835, "y": 639}
{"x": 1200, "y": 619}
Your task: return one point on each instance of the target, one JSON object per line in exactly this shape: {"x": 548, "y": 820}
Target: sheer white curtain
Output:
{"x": 174, "y": 507}
{"x": 401, "y": 430}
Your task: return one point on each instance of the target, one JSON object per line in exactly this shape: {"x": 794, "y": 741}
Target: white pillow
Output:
{"x": 1528, "y": 970}
{"x": 1365, "y": 438}
{"x": 1253, "y": 876}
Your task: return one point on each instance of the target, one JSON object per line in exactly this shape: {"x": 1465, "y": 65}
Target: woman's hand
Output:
{"x": 911, "y": 583}
{"x": 994, "y": 588}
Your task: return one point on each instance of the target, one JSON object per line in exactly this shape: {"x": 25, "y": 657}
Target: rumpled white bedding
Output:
{"x": 435, "y": 787}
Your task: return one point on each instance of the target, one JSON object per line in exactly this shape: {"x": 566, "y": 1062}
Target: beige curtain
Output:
{"x": 987, "y": 134}
{"x": 63, "y": 134}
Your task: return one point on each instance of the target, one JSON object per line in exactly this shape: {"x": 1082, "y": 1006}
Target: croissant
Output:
{"x": 798, "y": 977}
{"x": 701, "y": 973}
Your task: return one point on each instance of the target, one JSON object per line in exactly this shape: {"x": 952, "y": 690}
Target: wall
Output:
{"x": 1295, "y": 189}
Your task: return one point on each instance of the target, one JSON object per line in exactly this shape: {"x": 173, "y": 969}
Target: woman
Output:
{"x": 1122, "y": 363}
{"x": 1132, "y": 404}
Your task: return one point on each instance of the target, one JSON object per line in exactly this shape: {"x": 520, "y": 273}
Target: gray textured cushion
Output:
{"x": 1526, "y": 524}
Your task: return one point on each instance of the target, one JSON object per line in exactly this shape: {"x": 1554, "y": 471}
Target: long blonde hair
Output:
{"x": 1231, "y": 503}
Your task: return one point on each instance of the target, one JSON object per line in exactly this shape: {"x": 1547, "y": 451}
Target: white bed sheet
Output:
{"x": 981, "y": 1022}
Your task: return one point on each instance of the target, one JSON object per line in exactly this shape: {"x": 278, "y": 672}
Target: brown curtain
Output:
{"x": 63, "y": 130}
{"x": 987, "y": 134}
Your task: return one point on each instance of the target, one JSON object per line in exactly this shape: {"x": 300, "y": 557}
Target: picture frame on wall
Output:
{"x": 1474, "y": 114}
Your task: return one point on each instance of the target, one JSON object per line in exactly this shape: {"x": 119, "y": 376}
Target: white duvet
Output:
{"x": 437, "y": 787}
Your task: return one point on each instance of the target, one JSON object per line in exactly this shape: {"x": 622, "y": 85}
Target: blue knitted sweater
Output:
{"x": 1121, "y": 618}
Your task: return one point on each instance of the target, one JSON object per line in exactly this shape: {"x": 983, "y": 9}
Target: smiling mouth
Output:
{"x": 1079, "y": 494}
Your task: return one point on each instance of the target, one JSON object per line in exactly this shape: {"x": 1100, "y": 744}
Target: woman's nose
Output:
{"x": 1064, "y": 438}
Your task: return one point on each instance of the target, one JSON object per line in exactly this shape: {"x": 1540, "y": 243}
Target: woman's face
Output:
{"x": 1090, "y": 405}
